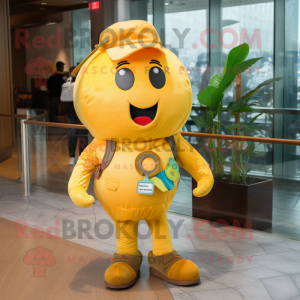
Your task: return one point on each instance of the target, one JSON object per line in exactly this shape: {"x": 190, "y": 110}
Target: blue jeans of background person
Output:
{"x": 76, "y": 134}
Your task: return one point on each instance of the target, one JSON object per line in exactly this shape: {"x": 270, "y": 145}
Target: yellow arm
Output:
{"x": 195, "y": 164}
{"x": 82, "y": 173}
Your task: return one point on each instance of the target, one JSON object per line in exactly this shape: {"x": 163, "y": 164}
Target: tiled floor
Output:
{"x": 233, "y": 264}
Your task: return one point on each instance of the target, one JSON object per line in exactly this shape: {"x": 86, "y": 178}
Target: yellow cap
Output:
{"x": 124, "y": 38}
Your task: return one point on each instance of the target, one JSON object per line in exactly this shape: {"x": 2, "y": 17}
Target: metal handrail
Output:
{"x": 266, "y": 110}
{"x": 242, "y": 138}
{"x": 50, "y": 124}
{"x": 44, "y": 114}
{"x": 192, "y": 134}
{"x": 13, "y": 116}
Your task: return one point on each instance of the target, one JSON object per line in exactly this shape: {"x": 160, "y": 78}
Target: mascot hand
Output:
{"x": 205, "y": 185}
{"x": 80, "y": 197}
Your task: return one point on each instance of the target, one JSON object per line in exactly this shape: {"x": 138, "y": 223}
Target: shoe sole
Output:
{"x": 122, "y": 286}
{"x": 177, "y": 282}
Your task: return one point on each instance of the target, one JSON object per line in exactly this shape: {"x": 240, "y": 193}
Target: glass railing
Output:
{"x": 251, "y": 187}
{"x": 50, "y": 148}
{"x": 10, "y": 158}
{"x": 247, "y": 192}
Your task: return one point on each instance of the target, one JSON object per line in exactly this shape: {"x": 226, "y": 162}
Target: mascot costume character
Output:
{"x": 134, "y": 96}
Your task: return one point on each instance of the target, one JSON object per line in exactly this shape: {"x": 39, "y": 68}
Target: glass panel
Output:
{"x": 51, "y": 151}
{"x": 268, "y": 203}
{"x": 184, "y": 24}
{"x": 150, "y": 12}
{"x": 291, "y": 85}
{"x": 10, "y": 158}
{"x": 182, "y": 201}
{"x": 254, "y": 24}
{"x": 81, "y": 35}
{"x": 139, "y": 10}
{"x": 292, "y": 65}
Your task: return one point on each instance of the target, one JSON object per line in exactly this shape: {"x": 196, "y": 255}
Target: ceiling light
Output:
{"x": 166, "y": 3}
{"x": 43, "y": 3}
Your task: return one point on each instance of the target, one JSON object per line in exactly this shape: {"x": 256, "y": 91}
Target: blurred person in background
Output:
{"x": 54, "y": 85}
{"x": 75, "y": 136}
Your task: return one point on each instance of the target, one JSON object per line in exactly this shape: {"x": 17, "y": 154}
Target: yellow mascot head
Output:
{"x": 131, "y": 87}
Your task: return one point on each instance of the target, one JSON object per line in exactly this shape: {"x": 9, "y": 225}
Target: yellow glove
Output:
{"x": 82, "y": 173}
{"x": 204, "y": 185}
{"x": 195, "y": 164}
{"x": 80, "y": 197}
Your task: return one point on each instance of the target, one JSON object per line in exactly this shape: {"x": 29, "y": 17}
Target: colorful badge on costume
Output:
{"x": 164, "y": 180}
{"x": 146, "y": 187}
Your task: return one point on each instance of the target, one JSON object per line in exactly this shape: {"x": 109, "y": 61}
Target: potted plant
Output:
{"x": 236, "y": 196}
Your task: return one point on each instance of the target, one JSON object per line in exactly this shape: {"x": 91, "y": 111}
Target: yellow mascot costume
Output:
{"x": 134, "y": 96}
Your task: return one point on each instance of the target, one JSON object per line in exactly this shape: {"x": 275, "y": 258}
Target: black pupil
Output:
{"x": 157, "y": 77}
{"x": 124, "y": 79}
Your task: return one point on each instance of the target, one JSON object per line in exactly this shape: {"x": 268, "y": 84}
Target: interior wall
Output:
{"x": 18, "y": 62}
{"x": 57, "y": 41}
{"x": 5, "y": 83}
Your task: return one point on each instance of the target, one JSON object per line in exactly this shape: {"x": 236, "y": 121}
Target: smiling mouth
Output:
{"x": 143, "y": 116}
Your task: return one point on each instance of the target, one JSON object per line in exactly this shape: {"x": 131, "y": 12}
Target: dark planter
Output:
{"x": 230, "y": 202}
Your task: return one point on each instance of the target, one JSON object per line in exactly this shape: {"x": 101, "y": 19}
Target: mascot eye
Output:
{"x": 124, "y": 79}
{"x": 157, "y": 77}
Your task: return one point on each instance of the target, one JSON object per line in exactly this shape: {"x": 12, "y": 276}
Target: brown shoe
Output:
{"x": 172, "y": 268}
{"x": 123, "y": 271}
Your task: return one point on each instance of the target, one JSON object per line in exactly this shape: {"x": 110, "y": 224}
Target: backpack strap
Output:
{"x": 109, "y": 154}
{"x": 171, "y": 141}
{"x": 110, "y": 149}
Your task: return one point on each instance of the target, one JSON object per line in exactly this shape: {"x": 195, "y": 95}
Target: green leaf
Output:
{"x": 250, "y": 147}
{"x": 233, "y": 71}
{"x": 208, "y": 117}
{"x": 236, "y": 55}
{"x": 244, "y": 108}
{"x": 253, "y": 103}
{"x": 269, "y": 81}
{"x": 252, "y": 121}
{"x": 266, "y": 82}
{"x": 210, "y": 96}
{"x": 240, "y": 106}
{"x": 218, "y": 122}
{"x": 251, "y": 127}
{"x": 233, "y": 127}
{"x": 199, "y": 121}
{"x": 215, "y": 80}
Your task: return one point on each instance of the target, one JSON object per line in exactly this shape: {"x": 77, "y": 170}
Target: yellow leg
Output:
{"x": 126, "y": 234}
{"x": 164, "y": 261}
{"x": 126, "y": 262}
{"x": 161, "y": 236}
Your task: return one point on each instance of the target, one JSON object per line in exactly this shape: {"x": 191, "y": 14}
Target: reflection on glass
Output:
{"x": 282, "y": 208}
{"x": 81, "y": 35}
{"x": 150, "y": 12}
{"x": 253, "y": 24}
{"x": 184, "y": 25}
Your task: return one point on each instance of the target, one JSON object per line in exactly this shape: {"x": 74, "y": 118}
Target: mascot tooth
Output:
{"x": 134, "y": 96}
